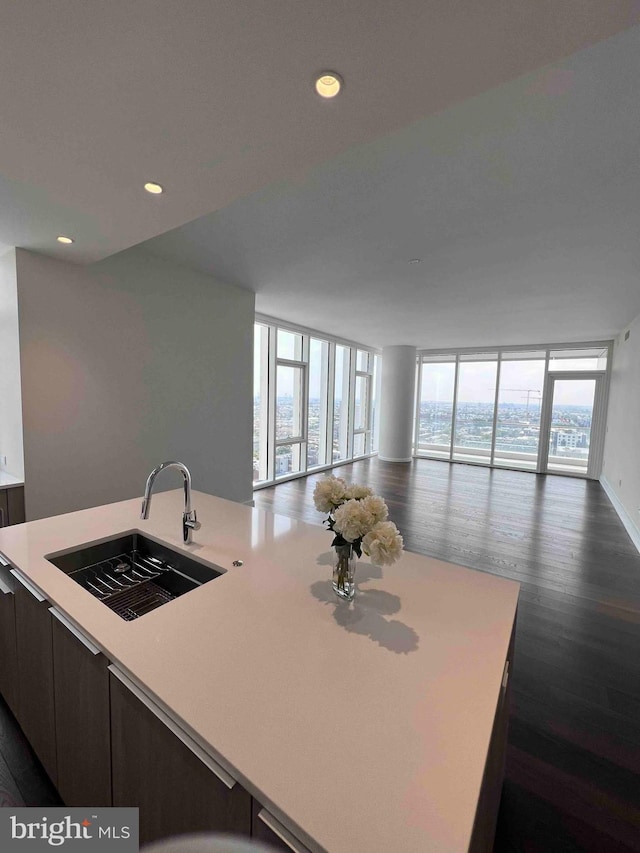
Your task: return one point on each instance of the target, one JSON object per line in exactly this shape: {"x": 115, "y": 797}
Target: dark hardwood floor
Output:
{"x": 23, "y": 781}
{"x": 573, "y": 766}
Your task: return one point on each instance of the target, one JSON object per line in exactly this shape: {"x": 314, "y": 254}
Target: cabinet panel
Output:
{"x": 153, "y": 770}
{"x": 83, "y": 737}
{"x": 35, "y": 677}
{"x": 15, "y": 504}
{"x": 489, "y": 801}
{"x": 8, "y": 654}
{"x": 4, "y": 508}
{"x": 11, "y": 506}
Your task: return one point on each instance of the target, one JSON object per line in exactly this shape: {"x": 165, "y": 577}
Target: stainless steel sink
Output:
{"x": 132, "y": 574}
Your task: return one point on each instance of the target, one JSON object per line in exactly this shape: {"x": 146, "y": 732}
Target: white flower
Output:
{"x": 352, "y": 520}
{"x": 357, "y": 515}
{"x": 329, "y": 493}
{"x": 376, "y": 508}
{"x": 383, "y": 543}
{"x": 358, "y": 492}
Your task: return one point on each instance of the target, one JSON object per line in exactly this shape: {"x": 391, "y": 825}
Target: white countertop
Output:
{"x": 8, "y": 480}
{"x": 366, "y": 726}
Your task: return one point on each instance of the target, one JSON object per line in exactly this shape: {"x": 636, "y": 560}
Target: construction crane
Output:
{"x": 528, "y": 392}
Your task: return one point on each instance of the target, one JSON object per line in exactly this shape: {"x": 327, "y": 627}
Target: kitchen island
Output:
{"x": 359, "y": 727}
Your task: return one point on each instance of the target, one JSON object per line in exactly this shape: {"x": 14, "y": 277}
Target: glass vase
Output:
{"x": 344, "y": 571}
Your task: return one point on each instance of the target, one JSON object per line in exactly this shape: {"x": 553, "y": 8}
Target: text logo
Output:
{"x": 37, "y": 829}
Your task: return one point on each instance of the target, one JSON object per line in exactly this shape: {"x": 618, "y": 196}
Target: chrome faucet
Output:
{"x": 189, "y": 518}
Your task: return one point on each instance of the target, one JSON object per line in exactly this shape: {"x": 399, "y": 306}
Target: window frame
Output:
{"x": 273, "y": 326}
{"x": 366, "y": 430}
{"x": 503, "y": 353}
{"x": 324, "y": 437}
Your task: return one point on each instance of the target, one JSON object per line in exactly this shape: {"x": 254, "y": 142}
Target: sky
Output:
{"x": 477, "y": 383}
{"x": 519, "y": 380}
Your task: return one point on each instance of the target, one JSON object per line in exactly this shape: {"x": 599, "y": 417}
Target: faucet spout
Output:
{"x": 189, "y": 518}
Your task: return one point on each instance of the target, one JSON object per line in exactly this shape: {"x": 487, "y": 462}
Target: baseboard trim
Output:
{"x": 630, "y": 526}
{"x": 390, "y": 459}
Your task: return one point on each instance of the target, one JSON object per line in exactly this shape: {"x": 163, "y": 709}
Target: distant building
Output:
{"x": 568, "y": 439}
{"x": 283, "y": 464}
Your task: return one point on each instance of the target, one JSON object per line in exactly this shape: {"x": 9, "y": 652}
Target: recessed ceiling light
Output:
{"x": 328, "y": 84}
{"x": 62, "y": 239}
{"x": 153, "y": 188}
{"x": 415, "y": 260}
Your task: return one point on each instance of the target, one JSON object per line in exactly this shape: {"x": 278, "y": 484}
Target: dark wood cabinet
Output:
{"x": 8, "y": 654}
{"x": 83, "y": 734}
{"x": 35, "y": 674}
{"x": 11, "y": 505}
{"x": 489, "y": 801}
{"x": 166, "y": 775}
{"x": 15, "y": 504}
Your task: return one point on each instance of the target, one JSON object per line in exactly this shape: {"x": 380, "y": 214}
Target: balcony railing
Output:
{"x": 529, "y": 460}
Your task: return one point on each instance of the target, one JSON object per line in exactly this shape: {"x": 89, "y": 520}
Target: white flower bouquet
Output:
{"x": 358, "y": 518}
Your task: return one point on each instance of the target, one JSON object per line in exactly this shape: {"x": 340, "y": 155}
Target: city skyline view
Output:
{"x": 517, "y": 432}
{"x": 317, "y": 404}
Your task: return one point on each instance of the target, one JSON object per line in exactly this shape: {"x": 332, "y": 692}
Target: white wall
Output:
{"x": 125, "y": 364}
{"x": 621, "y": 466}
{"x": 10, "y": 394}
{"x": 397, "y": 401}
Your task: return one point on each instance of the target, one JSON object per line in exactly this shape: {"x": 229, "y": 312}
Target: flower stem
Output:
{"x": 343, "y": 572}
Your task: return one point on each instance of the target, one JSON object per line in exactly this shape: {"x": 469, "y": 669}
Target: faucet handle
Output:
{"x": 189, "y": 522}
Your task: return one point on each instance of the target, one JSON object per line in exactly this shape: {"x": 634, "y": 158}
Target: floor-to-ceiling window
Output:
{"x": 362, "y": 400}
{"x": 315, "y": 401}
{"x": 475, "y": 404}
{"x": 291, "y": 383}
{"x": 375, "y": 403}
{"x": 260, "y": 401}
{"x": 318, "y": 403}
{"x": 519, "y": 407}
{"x": 434, "y": 408}
{"x": 342, "y": 370}
{"x": 537, "y": 408}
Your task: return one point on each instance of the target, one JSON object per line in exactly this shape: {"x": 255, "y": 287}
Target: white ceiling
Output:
{"x": 497, "y": 142}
